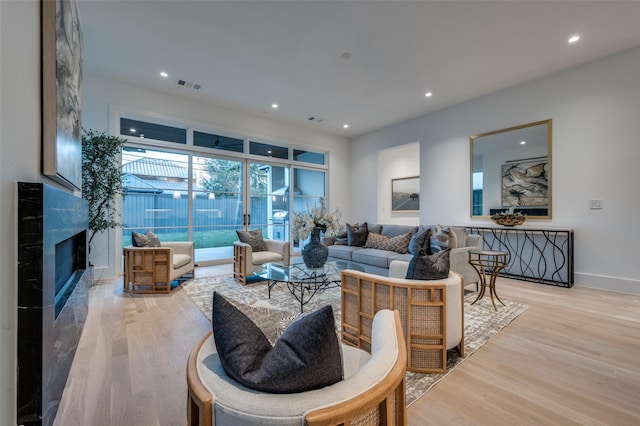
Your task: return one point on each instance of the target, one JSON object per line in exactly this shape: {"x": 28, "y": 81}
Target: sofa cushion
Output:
{"x": 395, "y": 230}
{"x": 425, "y": 266}
{"x": 307, "y": 356}
{"x": 343, "y": 252}
{"x": 419, "y": 240}
{"x": 375, "y": 228}
{"x": 398, "y": 244}
{"x": 180, "y": 260}
{"x": 357, "y": 234}
{"x": 375, "y": 257}
{"x": 253, "y": 238}
{"x": 404, "y": 257}
{"x": 262, "y": 257}
{"x": 145, "y": 240}
{"x": 442, "y": 239}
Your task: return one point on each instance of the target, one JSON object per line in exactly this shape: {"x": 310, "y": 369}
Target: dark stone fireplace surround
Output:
{"x": 49, "y": 324}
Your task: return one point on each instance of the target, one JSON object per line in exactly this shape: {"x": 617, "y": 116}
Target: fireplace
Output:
{"x": 52, "y": 295}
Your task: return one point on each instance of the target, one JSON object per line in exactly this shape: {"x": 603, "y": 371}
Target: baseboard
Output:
{"x": 600, "y": 282}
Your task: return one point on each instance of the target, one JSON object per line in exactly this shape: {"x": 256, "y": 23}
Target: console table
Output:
{"x": 543, "y": 255}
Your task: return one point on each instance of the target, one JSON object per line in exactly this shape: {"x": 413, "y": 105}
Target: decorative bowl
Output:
{"x": 508, "y": 221}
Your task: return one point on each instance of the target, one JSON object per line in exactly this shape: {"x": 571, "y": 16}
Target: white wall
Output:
{"x": 393, "y": 163}
{"x": 596, "y": 153}
{"x": 100, "y": 94}
{"x": 19, "y": 160}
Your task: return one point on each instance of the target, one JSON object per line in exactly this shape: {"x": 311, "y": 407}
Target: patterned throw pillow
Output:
{"x": 145, "y": 240}
{"x": 444, "y": 238}
{"x": 425, "y": 266}
{"x": 305, "y": 357}
{"x": 357, "y": 234}
{"x": 253, "y": 238}
{"x": 398, "y": 244}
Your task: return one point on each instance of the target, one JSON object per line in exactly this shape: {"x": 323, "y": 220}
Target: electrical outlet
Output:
{"x": 595, "y": 204}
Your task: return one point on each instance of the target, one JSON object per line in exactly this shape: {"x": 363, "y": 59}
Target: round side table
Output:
{"x": 488, "y": 264}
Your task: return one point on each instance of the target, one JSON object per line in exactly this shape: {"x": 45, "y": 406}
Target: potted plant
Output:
{"x": 101, "y": 179}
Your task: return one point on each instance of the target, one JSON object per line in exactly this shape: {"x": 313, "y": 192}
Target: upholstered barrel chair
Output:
{"x": 432, "y": 313}
{"x": 372, "y": 393}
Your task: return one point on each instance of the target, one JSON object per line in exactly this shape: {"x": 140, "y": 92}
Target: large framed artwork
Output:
{"x": 405, "y": 194}
{"x": 525, "y": 183}
{"x": 62, "y": 92}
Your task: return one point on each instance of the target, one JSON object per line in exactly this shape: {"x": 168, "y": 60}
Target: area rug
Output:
{"x": 481, "y": 321}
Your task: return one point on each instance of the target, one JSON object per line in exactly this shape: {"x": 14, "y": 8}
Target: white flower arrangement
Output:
{"x": 305, "y": 222}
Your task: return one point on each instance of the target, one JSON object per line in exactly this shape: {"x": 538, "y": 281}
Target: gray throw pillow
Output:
{"x": 253, "y": 238}
{"x": 357, "y": 234}
{"x": 425, "y": 266}
{"x": 145, "y": 240}
{"x": 306, "y": 357}
{"x": 419, "y": 240}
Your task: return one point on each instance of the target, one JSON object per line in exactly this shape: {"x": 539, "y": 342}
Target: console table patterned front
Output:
{"x": 535, "y": 254}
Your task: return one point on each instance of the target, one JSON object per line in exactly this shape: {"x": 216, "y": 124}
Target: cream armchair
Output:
{"x": 372, "y": 393}
{"x": 151, "y": 269}
{"x": 246, "y": 261}
{"x": 432, "y": 313}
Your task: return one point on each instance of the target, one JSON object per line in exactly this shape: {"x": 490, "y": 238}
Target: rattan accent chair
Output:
{"x": 432, "y": 314}
{"x": 152, "y": 269}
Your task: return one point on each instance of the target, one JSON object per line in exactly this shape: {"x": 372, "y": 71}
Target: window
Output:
{"x": 223, "y": 143}
{"x": 267, "y": 150}
{"x": 142, "y": 129}
{"x": 308, "y": 156}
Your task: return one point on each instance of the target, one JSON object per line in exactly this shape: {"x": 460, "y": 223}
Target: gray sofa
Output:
{"x": 376, "y": 261}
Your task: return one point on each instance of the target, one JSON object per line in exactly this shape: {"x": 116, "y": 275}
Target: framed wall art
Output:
{"x": 405, "y": 194}
{"x": 62, "y": 92}
{"x": 525, "y": 183}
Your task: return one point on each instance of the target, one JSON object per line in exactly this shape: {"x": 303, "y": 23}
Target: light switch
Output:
{"x": 595, "y": 204}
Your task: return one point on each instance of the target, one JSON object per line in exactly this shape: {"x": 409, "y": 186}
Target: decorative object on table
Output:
{"x": 405, "y": 194}
{"x": 313, "y": 222}
{"x": 508, "y": 218}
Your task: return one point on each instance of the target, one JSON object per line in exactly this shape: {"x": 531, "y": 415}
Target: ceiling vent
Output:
{"x": 315, "y": 119}
{"x": 184, "y": 83}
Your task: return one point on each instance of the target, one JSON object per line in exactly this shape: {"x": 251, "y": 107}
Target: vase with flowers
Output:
{"x": 314, "y": 222}
{"x": 508, "y": 218}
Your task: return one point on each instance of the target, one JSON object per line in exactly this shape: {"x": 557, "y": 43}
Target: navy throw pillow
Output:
{"x": 306, "y": 357}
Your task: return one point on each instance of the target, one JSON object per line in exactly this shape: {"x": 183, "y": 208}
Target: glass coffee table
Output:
{"x": 303, "y": 282}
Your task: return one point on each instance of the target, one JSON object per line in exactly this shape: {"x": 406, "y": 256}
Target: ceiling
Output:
{"x": 247, "y": 55}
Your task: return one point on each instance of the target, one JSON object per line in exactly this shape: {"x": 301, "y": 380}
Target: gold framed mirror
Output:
{"x": 512, "y": 168}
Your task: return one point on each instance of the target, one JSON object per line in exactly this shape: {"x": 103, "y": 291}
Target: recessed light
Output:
{"x": 132, "y": 130}
{"x": 164, "y": 74}
{"x": 346, "y": 55}
{"x": 274, "y": 106}
{"x": 574, "y": 38}
{"x": 346, "y": 126}
{"x": 428, "y": 94}
{"x": 523, "y": 142}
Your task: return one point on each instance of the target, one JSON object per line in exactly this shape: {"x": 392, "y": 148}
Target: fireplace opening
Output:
{"x": 70, "y": 264}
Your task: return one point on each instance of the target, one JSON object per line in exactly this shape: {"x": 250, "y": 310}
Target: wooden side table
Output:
{"x": 488, "y": 263}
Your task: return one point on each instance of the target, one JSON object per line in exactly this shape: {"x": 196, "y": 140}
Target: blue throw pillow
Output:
{"x": 306, "y": 357}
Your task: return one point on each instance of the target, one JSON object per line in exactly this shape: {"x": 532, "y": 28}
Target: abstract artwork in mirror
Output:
{"x": 512, "y": 168}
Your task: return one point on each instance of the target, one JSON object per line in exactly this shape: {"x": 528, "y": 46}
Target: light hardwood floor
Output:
{"x": 572, "y": 358}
